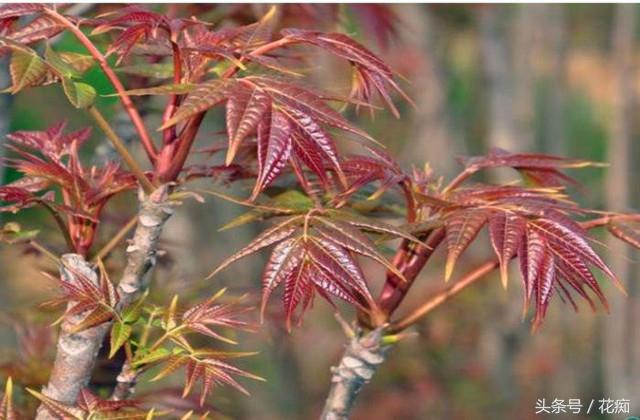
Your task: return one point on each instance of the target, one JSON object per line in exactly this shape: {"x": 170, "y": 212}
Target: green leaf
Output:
{"x": 12, "y": 233}
{"x": 120, "y": 333}
{"x": 81, "y": 95}
{"x": 26, "y": 70}
{"x": 288, "y": 202}
{"x": 80, "y": 62}
{"x": 151, "y": 357}
{"x": 132, "y": 312}
{"x": 60, "y": 66}
{"x": 169, "y": 319}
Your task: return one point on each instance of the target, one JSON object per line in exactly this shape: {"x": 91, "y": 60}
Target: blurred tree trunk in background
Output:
{"x": 430, "y": 134}
{"x": 554, "y": 26}
{"x": 498, "y": 77}
{"x": 503, "y": 47}
{"x": 524, "y": 34}
{"x": 621, "y": 337}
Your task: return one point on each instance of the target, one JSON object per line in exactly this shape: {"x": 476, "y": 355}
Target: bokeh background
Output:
{"x": 559, "y": 79}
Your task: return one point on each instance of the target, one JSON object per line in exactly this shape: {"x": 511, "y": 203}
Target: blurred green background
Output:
{"x": 559, "y": 79}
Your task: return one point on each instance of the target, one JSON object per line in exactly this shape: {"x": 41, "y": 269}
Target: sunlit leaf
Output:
{"x": 6, "y": 405}
{"x": 81, "y": 95}
{"x": 120, "y": 333}
{"x": 26, "y": 69}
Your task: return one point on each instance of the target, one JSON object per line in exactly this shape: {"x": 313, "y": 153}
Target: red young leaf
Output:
{"x": 362, "y": 170}
{"x": 534, "y": 224}
{"x": 371, "y": 72}
{"x": 42, "y": 27}
{"x": 11, "y": 10}
{"x": 320, "y": 141}
{"x": 51, "y": 158}
{"x": 245, "y": 108}
{"x": 284, "y": 259}
{"x": 274, "y": 149}
{"x": 506, "y": 230}
{"x": 90, "y": 406}
{"x": 212, "y": 372}
{"x": 546, "y": 278}
{"x": 302, "y": 100}
{"x": 532, "y": 251}
{"x": 543, "y": 170}
{"x": 209, "y": 314}
{"x": 461, "y": 229}
{"x": 201, "y": 98}
{"x": 316, "y": 254}
{"x": 566, "y": 241}
{"x": 281, "y": 231}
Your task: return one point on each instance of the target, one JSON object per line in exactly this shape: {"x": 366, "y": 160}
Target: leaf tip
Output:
{"x": 504, "y": 275}
{"x": 448, "y": 269}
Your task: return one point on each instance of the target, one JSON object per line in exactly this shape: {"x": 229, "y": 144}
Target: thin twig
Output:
{"x": 118, "y": 143}
{"x": 174, "y": 100}
{"x": 470, "y": 278}
{"x": 115, "y": 240}
{"x": 605, "y": 220}
{"x": 443, "y": 296}
{"x": 44, "y": 250}
{"x": 459, "y": 179}
{"x": 411, "y": 261}
{"x": 64, "y": 229}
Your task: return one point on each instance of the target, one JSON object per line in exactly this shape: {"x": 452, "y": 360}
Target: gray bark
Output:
{"x": 359, "y": 362}
{"x": 498, "y": 77}
{"x": 431, "y": 132}
{"x": 621, "y": 356}
{"x": 76, "y": 353}
{"x": 554, "y": 130}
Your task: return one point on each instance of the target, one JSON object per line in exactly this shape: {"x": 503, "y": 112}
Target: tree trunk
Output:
{"x": 76, "y": 353}
{"x": 621, "y": 361}
{"x": 554, "y": 128}
{"x": 498, "y": 77}
{"x": 359, "y": 362}
{"x": 507, "y": 43}
{"x": 431, "y": 132}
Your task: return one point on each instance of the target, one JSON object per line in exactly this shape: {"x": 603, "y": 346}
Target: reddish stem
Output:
{"x": 129, "y": 107}
{"x": 169, "y": 134}
{"x": 172, "y": 159}
{"x": 258, "y": 51}
{"x": 473, "y": 276}
{"x": 171, "y": 167}
{"x": 413, "y": 259}
{"x": 459, "y": 179}
{"x": 605, "y": 220}
{"x": 444, "y": 295}
{"x": 410, "y": 201}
